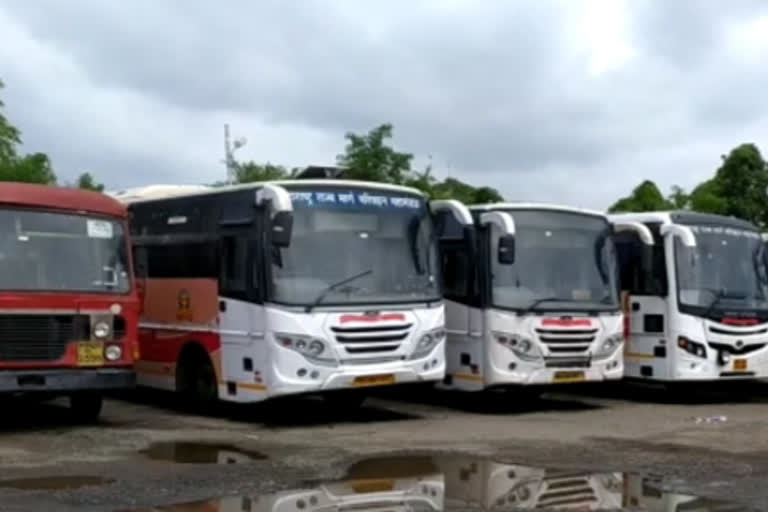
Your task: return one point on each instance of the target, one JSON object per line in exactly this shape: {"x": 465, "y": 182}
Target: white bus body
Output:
{"x": 537, "y": 306}
{"x": 697, "y": 303}
{"x": 266, "y": 289}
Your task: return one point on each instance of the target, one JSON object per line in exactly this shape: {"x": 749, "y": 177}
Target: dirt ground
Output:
{"x": 711, "y": 445}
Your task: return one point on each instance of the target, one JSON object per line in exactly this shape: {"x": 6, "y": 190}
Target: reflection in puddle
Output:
{"x": 199, "y": 453}
{"x": 446, "y": 484}
{"x": 54, "y": 483}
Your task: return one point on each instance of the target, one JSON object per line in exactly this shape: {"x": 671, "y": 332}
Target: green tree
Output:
{"x": 707, "y": 198}
{"x": 451, "y": 188}
{"x": 679, "y": 199}
{"x": 32, "y": 168}
{"x": 646, "y": 197}
{"x": 741, "y": 182}
{"x": 249, "y": 172}
{"x": 87, "y": 182}
{"x": 368, "y": 157}
{"x": 9, "y": 137}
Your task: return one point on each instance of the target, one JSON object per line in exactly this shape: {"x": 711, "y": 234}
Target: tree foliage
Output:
{"x": 737, "y": 189}
{"x": 644, "y": 198}
{"x": 86, "y": 182}
{"x": 370, "y": 157}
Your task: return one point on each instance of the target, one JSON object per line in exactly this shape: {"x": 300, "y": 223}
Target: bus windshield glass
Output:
{"x": 379, "y": 245}
{"x": 43, "y": 251}
{"x": 563, "y": 261}
{"x": 724, "y": 270}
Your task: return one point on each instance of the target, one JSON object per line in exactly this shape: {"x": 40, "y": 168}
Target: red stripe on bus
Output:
{"x": 371, "y": 318}
{"x": 564, "y": 322}
{"x": 740, "y": 321}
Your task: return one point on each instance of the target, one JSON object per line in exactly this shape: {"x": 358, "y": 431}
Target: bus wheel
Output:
{"x": 86, "y": 407}
{"x": 196, "y": 380}
{"x": 345, "y": 400}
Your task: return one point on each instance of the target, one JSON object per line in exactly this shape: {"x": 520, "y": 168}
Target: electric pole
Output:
{"x": 229, "y": 152}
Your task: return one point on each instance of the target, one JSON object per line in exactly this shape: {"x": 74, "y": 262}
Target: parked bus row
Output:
{"x": 320, "y": 284}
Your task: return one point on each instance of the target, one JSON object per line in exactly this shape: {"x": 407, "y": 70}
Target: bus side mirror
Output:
{"x": 282, "y": 227}
{"x": 506, "y": 251}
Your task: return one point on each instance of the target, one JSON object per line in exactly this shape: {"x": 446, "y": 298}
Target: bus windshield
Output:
{"x": 59, "y": 252}
{"x": 357, "y": 247}
{"x": 563, "y": 261}
{"x": 724, "y": 270}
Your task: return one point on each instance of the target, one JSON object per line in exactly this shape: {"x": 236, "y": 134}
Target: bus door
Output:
{"x": 241, "y": 311}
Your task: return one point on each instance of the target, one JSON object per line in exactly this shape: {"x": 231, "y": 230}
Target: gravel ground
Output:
{"x": 147, "y": 453}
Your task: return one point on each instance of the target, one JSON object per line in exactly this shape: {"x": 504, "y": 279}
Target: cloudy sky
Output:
{"x": 572, "y": 101}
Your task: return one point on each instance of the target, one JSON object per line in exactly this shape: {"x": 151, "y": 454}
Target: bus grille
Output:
{"x": 567, "y": 341}
{"x": 566, "y": 490}
{"x": 39, "y": 337}
{"x": 372, "y": 339}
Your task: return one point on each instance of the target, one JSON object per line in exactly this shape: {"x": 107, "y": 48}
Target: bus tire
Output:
{"x": 85, "y": 407}
{"x": 196, "y": 380}
{"x": 344, "y": 400}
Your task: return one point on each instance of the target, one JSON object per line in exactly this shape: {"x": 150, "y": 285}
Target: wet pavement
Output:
{"x": 189, "y": 452}
{"x": 568, "y": 451}
{"x": 454, "y": 483}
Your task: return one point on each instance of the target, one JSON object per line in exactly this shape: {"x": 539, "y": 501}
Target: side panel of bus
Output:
{"x": 645, "y": 286}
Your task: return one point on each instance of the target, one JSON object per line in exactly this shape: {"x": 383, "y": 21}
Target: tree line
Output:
{"x": 738, "y": 187}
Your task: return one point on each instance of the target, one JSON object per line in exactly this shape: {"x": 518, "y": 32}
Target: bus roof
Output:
{"x": 155, "y": 192}
{"x": 686, "y": 217}
{"x": 523, "y": 205}
{"x": 60, "y": 198}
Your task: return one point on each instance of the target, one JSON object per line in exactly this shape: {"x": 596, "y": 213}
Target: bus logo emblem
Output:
{"x": 184, "y": 305}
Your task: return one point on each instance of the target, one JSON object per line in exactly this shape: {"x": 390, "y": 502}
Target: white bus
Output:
{"x": 697, "y": 301}
{"x": 538, "y": 306}
{"x": 266, "y": 289}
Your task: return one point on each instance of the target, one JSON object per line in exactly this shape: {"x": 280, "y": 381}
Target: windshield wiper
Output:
{"x": 333, "y": 286}
{"x": 532, "y": 306}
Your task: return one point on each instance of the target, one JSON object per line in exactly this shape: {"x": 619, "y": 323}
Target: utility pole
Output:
{"x": 229, "y": 152}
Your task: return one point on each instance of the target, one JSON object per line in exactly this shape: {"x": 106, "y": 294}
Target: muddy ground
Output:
{"x": 713, "y": 445}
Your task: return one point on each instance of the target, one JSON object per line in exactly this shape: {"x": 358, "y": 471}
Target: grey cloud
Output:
{"x": 493, "y": 89}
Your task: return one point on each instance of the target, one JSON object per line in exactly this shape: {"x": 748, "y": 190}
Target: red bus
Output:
{"x": 68, "y": 305}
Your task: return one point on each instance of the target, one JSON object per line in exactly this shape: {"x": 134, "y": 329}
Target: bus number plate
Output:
{"x": 373, "y": 380}
{"x": 740, "y": 364}
{"x": 90, "y": 353}
{"x": 569, "y": 377}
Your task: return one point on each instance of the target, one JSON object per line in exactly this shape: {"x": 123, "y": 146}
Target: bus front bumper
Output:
{"x": 54, "y": 380}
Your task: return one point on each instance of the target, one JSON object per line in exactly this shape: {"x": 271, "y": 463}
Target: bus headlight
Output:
{"x": 692, "y": 347}
{"x": 609, "y": 346}
{"x": 427, "y": 342}
{"x": 521, "y": 346}
{"x": 113, "y": 352}
{"x": 101, "y": 330}
{"x": 314, "y": 349}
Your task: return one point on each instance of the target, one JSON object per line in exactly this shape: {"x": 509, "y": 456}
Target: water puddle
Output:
{"x": 454, "y": 484}
{"x": 199, "y": 453}
{"x": 54, "y": 483}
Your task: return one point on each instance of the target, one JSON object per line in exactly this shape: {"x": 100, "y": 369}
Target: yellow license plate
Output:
{"x": 740, "y": 364}
{"x": 569, "y": 377}
{"x": 90, "y": 353}
{"x": 373, "y": 380}
{"x": 370, "y": 486}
